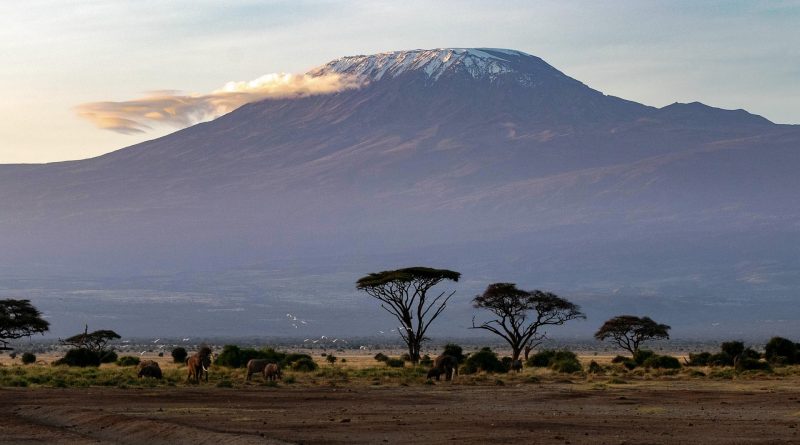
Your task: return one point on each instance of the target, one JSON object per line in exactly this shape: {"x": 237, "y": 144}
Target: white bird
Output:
{"x": 380, "y": 332}
{"x": 315, "y": 341}
{"x": 142, "y": 353}
{"x": 289, "y": 315}
{"x": 306, "y": 340}
{"x": 362, "y": 347}
{"x": 295, "y": 326}
{"x": 303, "y": 321}
{"x": 126, "y": 341}
{"x": 323, "y": 337}
{"x": 186, "y": 339}
{"x": 156, "y": 340}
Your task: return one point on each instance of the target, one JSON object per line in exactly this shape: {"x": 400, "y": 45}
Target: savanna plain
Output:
{"x": 358, "y": 399}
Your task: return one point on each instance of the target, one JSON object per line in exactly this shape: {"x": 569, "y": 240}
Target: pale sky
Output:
{"x": 57, "y": 55}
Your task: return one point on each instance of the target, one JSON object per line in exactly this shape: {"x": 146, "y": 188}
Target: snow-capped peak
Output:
{"x": 480, "y": 63}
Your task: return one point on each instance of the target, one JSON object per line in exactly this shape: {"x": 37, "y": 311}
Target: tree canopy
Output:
{"x": 93, "y": 341}
{"x": 629, "y": 331}
{"x": 521, "y": 314}
{"x": 404, "y": 294}
{"x": 19, "y": 318}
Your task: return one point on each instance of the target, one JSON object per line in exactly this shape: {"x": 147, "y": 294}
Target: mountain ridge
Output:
{"x": 440, "y": 169}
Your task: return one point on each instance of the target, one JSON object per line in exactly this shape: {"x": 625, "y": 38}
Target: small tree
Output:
{"x": 629, "y": 331}
{"x": 404, "y": 294}
{"x": 95, "y": 342}
{"x": 18, "y": 318}
{"x": 521, "y": 314}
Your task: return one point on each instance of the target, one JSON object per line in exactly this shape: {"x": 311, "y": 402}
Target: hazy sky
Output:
{"x": 57, "y": 55}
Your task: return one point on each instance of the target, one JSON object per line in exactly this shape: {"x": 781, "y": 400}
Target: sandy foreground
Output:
{"x": 554, "y": 413}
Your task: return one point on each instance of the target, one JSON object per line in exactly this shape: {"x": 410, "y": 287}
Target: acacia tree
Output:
{"x": 629, "y": 331}
{"x": 521, "y": 314}
{"x": 404, "y": 294}
{"x": 95, "y": 342}
{"x": 18, "y": 318}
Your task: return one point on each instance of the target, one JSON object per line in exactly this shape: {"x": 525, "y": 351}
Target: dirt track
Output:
{"x": 743, "y": 413}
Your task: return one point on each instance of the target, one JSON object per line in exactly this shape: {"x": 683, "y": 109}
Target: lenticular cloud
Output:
{"x": 181, "y": 110}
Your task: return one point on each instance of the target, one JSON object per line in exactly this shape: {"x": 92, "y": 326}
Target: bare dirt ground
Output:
{"x": 657, "y": 412}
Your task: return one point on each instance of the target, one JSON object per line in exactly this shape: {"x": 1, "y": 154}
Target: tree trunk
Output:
{"x": 515, "y": 353}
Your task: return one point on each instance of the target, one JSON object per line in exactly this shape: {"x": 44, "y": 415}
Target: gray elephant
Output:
{"x": 444, "y": 364}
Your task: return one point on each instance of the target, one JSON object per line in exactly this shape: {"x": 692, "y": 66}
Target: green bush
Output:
{"x": 81, "y": 357}
{"x": 700, "y": 359}
{"x": 179, "y": 355}
{"x": 305, "y": 364}
{"x": 662, "y": 362}
{"x": 595, "y": 368}
{"x": 395, "y": 363}
{"x": 127, "y": 360}
{"x": 541, "y": 359}
{"x": 108, "y": 357}
{"x": 483, "y": 360}
{"x": 454, "y": 350}
{"x": 566, "y": 362}
{"x": 234, "y": 357}
{"x": 752, "y": 364}
{"x": 28, "y": 358}
{"x": 331, "y": 359}
{"x": 381, "y": 357}
{"x": 642, "y": 355}
{"x": 781, "y": 351}
{"x": 405, "y": 357}
{"x": 426, "y": 360}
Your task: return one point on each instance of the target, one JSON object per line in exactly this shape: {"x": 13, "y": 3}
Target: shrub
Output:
{"x": 541, "y": 359}
{"x": 642, "y": 355}
{"x": 662, "y": 362}
{"x": 81, "y": 357}
{"x": 405, "y": 357}
{"x": 700, "y": 359}
{"x": 426, "y": 360}
{"x": 720, "y": 359}
{"x": 781, "y": 350}
{"x": 290, "y": 359}
{"x": 108, "y": 357}
{"x": 331, "y": 359}
{"x": 483, "y": 360}
{"x": 304, "y": 365}
{"x": 127, "y": 360}
{"x": 566, "y": 362}
{"x": 619, "y": 359}
{"x": 381, "y": 357}
{"x": 752, "y": 364}
{"x": 28, "y": 358}
{"x": 179, "y": 355}
{"x": 454, "y": 350}
{"x": 395, "y": 363}
{"x": 595, "y": 368}
{"x": 506, "y": 361}
{"x": 234, "y": 357}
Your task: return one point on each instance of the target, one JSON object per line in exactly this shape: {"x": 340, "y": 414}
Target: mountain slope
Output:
{"x": 439, "y": 149}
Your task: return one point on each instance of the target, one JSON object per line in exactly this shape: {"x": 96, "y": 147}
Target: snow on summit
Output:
{"x": 480, "y": 63}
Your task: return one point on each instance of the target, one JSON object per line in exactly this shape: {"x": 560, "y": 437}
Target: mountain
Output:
{"x": 490, "y": 159}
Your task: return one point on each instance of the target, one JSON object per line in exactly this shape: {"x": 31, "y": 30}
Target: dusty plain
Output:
{"x": 356, "y": 402}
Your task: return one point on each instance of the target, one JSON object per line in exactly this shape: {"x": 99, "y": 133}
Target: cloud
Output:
{"x": 181, "y": 110}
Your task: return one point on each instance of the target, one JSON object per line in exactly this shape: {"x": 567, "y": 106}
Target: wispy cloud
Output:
{"x": 181, "y": 110}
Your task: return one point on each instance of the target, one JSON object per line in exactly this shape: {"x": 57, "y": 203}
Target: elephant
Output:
{"x": 444, "y": 364}
{"x": 149, "y": 368}
{"x": 256, "y": 366}
{"x": 516, "y": 365}
{"x": 198, "y": 364}
{"x": 272, "y": 372}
